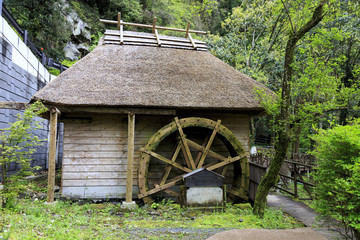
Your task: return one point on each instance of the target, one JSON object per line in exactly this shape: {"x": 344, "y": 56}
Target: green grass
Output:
{"x": 67, "y": 220}
{"x": 29, "y": 219}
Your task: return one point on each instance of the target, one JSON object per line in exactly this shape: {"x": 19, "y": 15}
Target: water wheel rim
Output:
{"x": 172, "y": 127}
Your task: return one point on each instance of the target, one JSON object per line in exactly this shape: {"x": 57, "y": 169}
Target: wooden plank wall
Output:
{"x": 256, "y": 174}
{"x": 95, "y": 151}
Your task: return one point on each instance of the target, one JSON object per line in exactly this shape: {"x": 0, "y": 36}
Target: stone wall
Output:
{"x": 21, "y": 76}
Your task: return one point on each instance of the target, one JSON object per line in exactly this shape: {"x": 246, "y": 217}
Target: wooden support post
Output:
{"x": 187, "y": 30}
{"x": 295, "y": 181}
{"x": 119, "y": 20}
{"x": 130, "y": 157}
{"x": 52, "y": 154}
{"x": 154, "y": 25}
{"x": 120, "y": 28}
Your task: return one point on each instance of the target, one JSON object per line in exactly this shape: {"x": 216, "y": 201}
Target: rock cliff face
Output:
{"x": 80, "y": 38}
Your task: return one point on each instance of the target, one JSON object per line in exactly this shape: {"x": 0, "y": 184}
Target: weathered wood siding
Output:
{"x": 95, "y": 151}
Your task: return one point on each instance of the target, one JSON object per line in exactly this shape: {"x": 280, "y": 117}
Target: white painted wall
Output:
{"x": 22, "y": 55}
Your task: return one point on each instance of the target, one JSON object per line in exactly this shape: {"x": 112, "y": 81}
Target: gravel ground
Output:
{"x": 174, "y": 233}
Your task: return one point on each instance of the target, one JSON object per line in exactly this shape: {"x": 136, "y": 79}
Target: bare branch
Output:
{"x": 287, "y": 12}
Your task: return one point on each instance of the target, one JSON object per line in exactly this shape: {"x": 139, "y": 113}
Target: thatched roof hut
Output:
{"x": 141, "y": 76}
{"x": 119, "y": 79}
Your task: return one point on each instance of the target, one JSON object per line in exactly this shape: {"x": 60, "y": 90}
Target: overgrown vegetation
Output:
{"x": 70, "y": 220}
{"x": 45, "y": 23}
{"x": 17, "y": 146}
{"x": 56, "y": 72}
{"x": 337, "y": 174}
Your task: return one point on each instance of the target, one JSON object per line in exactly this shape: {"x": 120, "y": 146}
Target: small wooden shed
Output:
{"x": 142, "y": 110}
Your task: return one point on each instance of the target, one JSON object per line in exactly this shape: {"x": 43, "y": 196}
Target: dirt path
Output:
{"x": 303, "y": 213}
{"x": 267, "y": 234}
{"x": 297, "y": 209}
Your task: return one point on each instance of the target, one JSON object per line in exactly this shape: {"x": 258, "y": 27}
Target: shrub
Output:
{"x": 17, "y": 145}
{"x": 337, "y": 174}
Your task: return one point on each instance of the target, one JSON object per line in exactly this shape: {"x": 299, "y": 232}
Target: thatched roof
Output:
{"x": 156, "y": 77}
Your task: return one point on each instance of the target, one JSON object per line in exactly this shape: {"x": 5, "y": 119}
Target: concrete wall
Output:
{"x": 21, "y": 76}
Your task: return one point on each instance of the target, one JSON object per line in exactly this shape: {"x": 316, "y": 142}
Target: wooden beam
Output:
{"x": 117, "y": 110}
{"x": 224, "y": 170}
{"x": 192, "y": 41}
{"x": 14, "y": 105}
{"x": 188, "y": 164}
{"x": 164, "y": 159}
{"x": 229, "y": 160}
{"x": 169, "y": 167}
{"x": 184, "y": 142}
{"x": 151, "y": 26}
{"x": 121, "y": 33}
{"x": 197, "y": 159}
{"x": 187, "y": 30}
{"x": 119, "y": 20}
{"x": 201, "y": 148}
{"x": 52, "y": 154}
{"x": 208, "y": 145}
{"x": 154, "y": 25}
{"x": 130, "y": 157}
{"x": 159, "y": 188}
{"x": 157, "y": 38}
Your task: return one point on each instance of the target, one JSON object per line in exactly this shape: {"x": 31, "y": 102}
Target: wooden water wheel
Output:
{"x": 195, "y": 155}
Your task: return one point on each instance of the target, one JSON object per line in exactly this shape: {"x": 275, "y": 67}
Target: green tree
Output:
{"x": 283, "y": 116}
{"x": 17, "y": 145}
{"x": 337, "y": 174}
{"x": 45, "y": 22}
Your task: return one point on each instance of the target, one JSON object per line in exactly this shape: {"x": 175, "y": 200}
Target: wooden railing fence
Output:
{"x": 292, "y": 171}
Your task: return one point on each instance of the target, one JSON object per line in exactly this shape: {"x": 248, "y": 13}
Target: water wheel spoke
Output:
{"x": 160, "y": 188}
{"x": 197, "y": 159}
{"x": 224, "y": 170}
{"x": 184, "y": 141}
{"x": 166, "y": 160}
{"x": 208, "y": 145}
{"x": 169, "y": 167}
{"x": 202, "y": 149}
{"x": 172, "y": 192}
{"x": 228, "y": 161}
{"x": 188, "y": 164}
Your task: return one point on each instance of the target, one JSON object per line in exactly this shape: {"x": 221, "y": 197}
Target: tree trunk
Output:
{"x": 357, "y": 234}
{"x": 347, "y": 81}
{"x": 283, "y": 118}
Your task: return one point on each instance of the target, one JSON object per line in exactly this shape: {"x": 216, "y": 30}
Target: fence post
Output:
{"x": 26, "y": 37}
{"x": 295, "y": 181}
{"x": 43, "y": 58}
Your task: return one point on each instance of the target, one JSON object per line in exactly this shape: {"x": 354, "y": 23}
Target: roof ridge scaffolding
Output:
{"x": 157, "y": 37}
